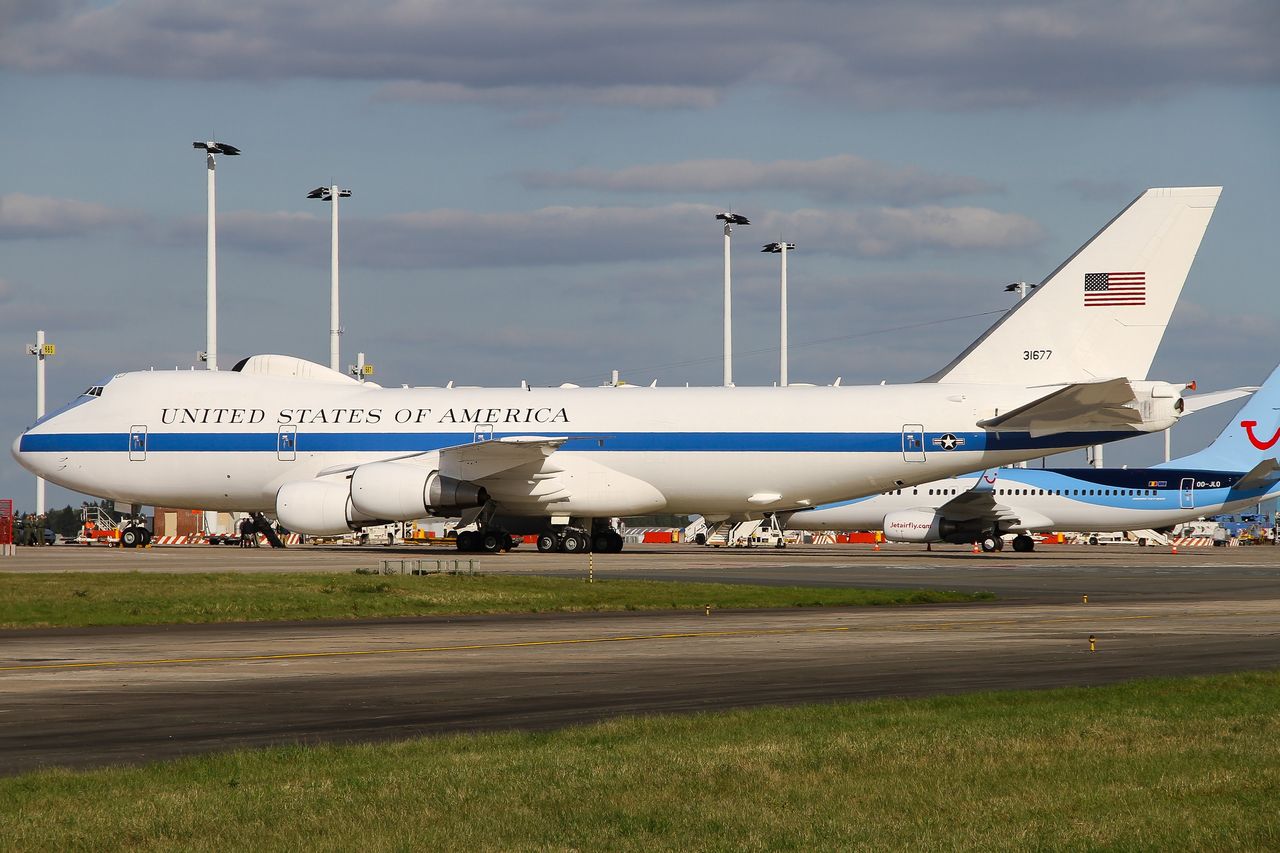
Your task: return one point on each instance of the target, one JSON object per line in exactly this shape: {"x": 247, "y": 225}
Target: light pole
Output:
{"x": 730, "y": 220}
{"x": 782, "y": 249}
{"x": 211, "y": 148}
{"x": 41, "y": 351}
{"x": 332, "y": 193}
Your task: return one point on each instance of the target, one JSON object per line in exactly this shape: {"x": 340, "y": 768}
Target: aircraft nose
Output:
{"x": 16, "y": 450}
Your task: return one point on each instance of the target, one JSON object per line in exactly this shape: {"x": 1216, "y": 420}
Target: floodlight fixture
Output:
{"x": 217, "y": 148}
{"x": 1020, "y": 287}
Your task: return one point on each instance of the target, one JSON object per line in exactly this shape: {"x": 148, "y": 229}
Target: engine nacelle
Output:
{"x": 922, "y": 525}
{"x": 318, "y": 508}
{"x": 398, "y": 491}
{"x": 913, "y": 525}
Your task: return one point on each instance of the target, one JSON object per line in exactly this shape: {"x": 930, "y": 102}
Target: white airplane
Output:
{"x": 1238, "y": 469}
{"x": 326, "y": 454}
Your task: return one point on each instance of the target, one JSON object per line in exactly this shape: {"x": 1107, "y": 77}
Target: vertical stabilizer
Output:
{"x": 1103, "y": 313}
{"x": 1250, "y": 437}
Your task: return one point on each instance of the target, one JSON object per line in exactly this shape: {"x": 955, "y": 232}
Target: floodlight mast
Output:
{"x": 41, "y": 351}
{"x": 332, "y": 194}
{"x": 211, "y": 148}
{"x": 730, "y": 220}
{"x": 782, "y": 248}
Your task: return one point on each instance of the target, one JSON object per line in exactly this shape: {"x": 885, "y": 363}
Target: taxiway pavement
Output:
{"x": 83, "y": 697}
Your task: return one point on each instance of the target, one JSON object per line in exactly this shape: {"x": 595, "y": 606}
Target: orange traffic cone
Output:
{"x": 976, "y": 549}
{"x": 877, "y": 546}
{"x": 1175, "y": 547}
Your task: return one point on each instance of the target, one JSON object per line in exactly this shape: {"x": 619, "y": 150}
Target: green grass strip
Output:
{"x": 1169, "y": 764}
{"x": 136, "y": 598}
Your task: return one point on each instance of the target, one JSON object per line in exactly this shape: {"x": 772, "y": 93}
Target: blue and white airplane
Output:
{"x": 1064, "y": 369}
{"x": 1240, "y": 468}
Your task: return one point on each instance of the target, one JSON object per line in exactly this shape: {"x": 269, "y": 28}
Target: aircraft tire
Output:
{"x": 988, "y": 544}
{"x": 616, "y": 542}
{"x": 602, "y": 543}
{"x": 574, "y": 542}
{"x": 491, "y": 541}
{"x": 467, "y": 541}
{"x": 1023, "y": 543}
{"x": 548, "y": 542}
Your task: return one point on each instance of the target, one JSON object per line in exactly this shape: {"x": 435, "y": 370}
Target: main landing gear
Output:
{"x": 489, "y": 541}
{"x": 1023, "y": 543}
{"x": 574, "y": 541}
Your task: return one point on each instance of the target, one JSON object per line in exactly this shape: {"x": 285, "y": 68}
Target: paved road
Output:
{"x": 91, "y": 696}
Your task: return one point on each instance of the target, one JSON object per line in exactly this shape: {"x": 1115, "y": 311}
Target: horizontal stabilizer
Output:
{"x": 1200, "y": 402}
{"x": 1263, "y": 475}
{"x": 1080, "y": 407}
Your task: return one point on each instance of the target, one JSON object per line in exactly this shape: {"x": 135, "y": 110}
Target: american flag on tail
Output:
{"x": 1114, "y": 288}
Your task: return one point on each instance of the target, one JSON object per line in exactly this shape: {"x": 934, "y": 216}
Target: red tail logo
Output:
{"x": 1254, "y": 440}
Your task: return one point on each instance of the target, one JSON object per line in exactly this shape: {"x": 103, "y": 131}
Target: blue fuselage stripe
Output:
{"x": 757, "y": 442}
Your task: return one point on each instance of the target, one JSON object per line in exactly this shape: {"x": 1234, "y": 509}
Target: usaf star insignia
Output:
{"x": 948, "y": 441}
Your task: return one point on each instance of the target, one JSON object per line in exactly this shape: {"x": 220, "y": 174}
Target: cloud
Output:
{"x": 663, "y": 54}
{"x": 586, "y": 235}
{"x": 843, "y": 177}
{"x": 44, "y": 217}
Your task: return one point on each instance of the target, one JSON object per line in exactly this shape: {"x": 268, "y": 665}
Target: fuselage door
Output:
{"x": 287, "y": 443}
{"x": 137, "y": 443}
{"x": 913, "y": 442}
{"x": 1187, "y": 493}
{"x": 483, "y": 432}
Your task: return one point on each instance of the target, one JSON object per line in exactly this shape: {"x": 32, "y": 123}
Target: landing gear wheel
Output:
{"x": 548, "y": 542}
{"x": 615, "y": 542}
{"x": 1023, "y": 543}
{"x": 491, "y": 541}
{"x": 999, "y": 543}
{"x": 130, "y": 537}
{"x": 601, "y": 543}
{"x": 467, "y": 541}
{"x": 574, "y": 542}
{"x": 988, "y": 544}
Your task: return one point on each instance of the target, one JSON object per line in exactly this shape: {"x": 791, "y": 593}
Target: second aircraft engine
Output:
{"x": 318, "y": 508}
{"x": 397, "y": 491}
{"x": 922, "y": 525}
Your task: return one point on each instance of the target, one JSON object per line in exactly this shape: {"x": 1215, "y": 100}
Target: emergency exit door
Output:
{"x": 1187, "y": 493}
{"x": 913, "y": 442}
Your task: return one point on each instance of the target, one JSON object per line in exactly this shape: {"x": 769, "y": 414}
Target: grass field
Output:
{"x": 1191, "y": 764}
{"x": 83, "y": 599}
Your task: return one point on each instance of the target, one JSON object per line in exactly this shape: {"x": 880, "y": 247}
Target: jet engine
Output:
{"x": 318, "y": 508}
{"x": 922, "y": 525}
{"x": 396, "y": 491}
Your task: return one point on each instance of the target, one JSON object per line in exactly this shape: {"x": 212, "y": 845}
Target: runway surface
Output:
{"x": 92, "y": 696}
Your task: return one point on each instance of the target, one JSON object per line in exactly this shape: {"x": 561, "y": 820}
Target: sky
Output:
{"x": 534, "y": 184}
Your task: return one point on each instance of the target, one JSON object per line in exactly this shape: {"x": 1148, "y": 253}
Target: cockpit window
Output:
{"x": 93, "y": 391}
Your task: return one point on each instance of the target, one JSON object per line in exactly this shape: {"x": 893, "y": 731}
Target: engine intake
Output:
{"x": 318, "y": 508}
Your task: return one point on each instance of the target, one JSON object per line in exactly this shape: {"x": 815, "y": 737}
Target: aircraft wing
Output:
{"x": 1260, "y": 476}
{"x": 978, "y": 502}
{"x": 475, "y": 460}
{"x": 478, "y": 460}
{"x": 1078, "y": 407}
